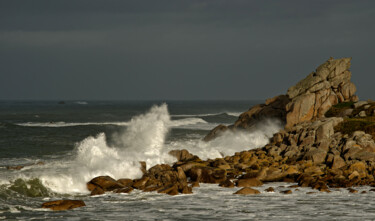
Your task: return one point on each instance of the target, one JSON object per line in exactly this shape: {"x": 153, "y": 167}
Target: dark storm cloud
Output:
{"x": 177, "y": 49}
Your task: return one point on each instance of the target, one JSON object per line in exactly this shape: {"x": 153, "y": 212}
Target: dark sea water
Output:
{"x": 79, "y": 140}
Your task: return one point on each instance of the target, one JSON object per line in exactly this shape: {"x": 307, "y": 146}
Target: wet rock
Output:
{"x": 97, "y": 191}
{"x": 140, "y": 183}
{"x": 286, "y": 192}
{"x": 217, "y": 131}
{"x": 170, "y": 190}
{"x": 104, "y": 182}
{"x": 207, "y": 175}
{"x": 124, "y": 190}
{"x": 270, "y": 189}
{"x": 60, "y": 205}
{"x": 247, "y": 191}
{"x": 351, "y": 190}
{"x": 195, "y": 184}
{"x": 227, "y": 183}
{"x": 125, "y": 182}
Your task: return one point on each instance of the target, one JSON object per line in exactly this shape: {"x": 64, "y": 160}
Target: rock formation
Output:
{"x": 308, "y": 100}
{"x": 312, "y": 97}
{"x": 327, "y": 142}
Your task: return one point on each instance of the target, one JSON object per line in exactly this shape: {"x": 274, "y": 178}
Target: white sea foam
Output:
{"x": 231, "y": 142}
{"x": 144, "y": 139}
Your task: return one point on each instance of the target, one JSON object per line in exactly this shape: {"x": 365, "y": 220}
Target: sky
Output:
{"x": 178, "y": 50}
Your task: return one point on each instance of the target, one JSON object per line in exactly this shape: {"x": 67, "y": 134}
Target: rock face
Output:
{"x": 307, "y": 101}
{"x": 313, "y": 96}
{"x": 59, "y": 205}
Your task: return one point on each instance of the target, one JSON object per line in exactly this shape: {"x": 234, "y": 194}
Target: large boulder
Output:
{"x": 106, "y": 183}
{"x": 247, "y": 191}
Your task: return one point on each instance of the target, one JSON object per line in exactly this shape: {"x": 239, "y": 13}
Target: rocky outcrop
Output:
{"x": 313, "y": 96}
{"x": 327, "y": 142}
{"x": 306, "y": 101}
{"x": 60, "y": 205}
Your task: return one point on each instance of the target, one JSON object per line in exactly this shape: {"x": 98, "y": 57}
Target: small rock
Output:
{"x": 362, "y": 114}
{"x": 270, "y": 189}
{"x": 227, "y": 183}
{"x": 351, "y": 190}
{"x": 286, "y": 192}
{"x": 59, "y": 205}
{"x": 247, "y": 191}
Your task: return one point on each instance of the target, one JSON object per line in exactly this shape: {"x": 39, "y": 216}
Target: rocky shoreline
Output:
{"x": 327, "y": 143}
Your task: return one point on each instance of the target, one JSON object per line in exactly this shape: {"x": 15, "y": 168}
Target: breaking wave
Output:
{"x": 144, "y": 139}
{"x": 173, "y": 123}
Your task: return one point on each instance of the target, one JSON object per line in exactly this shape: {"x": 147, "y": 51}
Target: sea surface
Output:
{"x": 63, "y": 145}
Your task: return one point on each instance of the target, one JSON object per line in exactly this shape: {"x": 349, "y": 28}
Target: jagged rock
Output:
{"x": 207, "y": 175}
{"x": 217, "y": 131}
{"x": 313, "y": 96}
{"x": 247, "y": 191}
{"x": 104, "y": 182}
{"x": 60, "y": 205}
{"x": 338, "y": 162}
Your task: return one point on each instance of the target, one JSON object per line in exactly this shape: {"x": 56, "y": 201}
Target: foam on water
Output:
{"x": 231, "y": 142}
{"x": 144, "y": 139}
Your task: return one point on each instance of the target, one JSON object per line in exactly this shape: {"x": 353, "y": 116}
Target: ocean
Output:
{"x": 63, "y": 145}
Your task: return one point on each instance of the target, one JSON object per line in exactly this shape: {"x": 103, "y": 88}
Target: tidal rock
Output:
{"x": 247, "y": 191}
{"x": 227, "y": 183}
{"x": 59, "y": 205}
{"x": 104, "y": 182}
{"x": 270, "y": 189}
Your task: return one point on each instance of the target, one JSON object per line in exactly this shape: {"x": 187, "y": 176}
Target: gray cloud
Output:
{"x": 177, "y": 49}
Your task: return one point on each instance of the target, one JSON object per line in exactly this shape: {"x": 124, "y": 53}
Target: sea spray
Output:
{"x": 143, "y": 140}
{"x": 230, "y": 142}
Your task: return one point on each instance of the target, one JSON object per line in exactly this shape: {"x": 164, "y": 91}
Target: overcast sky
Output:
{"x": 207, "y": 49}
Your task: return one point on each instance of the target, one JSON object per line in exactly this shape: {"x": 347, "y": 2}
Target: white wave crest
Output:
{"x": 172, "y": 123}
{"x": 144, "y": 139}
{"x": 231, "y": 142}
